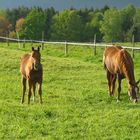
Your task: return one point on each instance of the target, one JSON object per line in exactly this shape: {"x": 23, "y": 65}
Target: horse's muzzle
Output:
{"x": 37, "y": 66}
{"x": 133, "y": 100}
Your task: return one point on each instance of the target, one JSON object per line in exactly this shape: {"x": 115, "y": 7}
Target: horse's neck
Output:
{"x": 30, "y": 64}
{"x": 129, "y": 74}
{"x": 127, "y": 66}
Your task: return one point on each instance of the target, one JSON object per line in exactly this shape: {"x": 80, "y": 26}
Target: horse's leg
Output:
{"x": 34, "y": 88}
{"x": 40, "y": 91}
{"x": 109, "y": 82}
{"x": 29, "y": 90}
{"x": 119, "y": 87}
{"x": 23, "y": 88}
{"x": 113, "y": 83}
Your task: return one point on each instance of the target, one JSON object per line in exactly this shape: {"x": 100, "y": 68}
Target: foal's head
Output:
{"x": 133, "y": 92}
{"x": 35, "y": 57}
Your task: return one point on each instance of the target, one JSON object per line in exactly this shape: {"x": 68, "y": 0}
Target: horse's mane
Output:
{"x": 128, "y": 64}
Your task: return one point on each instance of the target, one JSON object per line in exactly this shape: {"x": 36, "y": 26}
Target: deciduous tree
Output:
{"x": 34, "y": 25}
{"x": 111, "y": 26}
{"x": 67, "y": 25}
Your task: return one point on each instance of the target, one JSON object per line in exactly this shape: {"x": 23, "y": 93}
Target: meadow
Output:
{"x": 76, "y": 105}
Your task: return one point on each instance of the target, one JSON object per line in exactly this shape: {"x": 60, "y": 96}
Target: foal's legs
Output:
{"x": 40, "y": 91}
{"x": 23, "y": 88}
{"x": 29, "y": 90}
{"x": 34, "y": 88}
{"x": 119, "y": 87}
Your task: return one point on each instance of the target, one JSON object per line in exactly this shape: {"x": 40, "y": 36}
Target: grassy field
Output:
{"x": 76, "y": 105}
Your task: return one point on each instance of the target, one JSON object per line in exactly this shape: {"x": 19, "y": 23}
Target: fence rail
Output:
{"x": 93, "y": 44}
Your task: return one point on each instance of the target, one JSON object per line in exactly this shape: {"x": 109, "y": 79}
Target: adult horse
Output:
{"x": 31, "y": 70}
{"x": 119, "y": 64}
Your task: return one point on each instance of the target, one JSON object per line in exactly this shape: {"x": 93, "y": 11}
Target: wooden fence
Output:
{"x": 66, "y": 44}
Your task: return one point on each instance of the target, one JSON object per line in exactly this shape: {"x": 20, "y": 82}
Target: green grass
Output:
{"x": 76, "y": 105}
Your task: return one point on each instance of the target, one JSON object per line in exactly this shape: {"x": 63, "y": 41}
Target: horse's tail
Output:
{"x": 104, "y": 65}
{"x": 104, "y": 62}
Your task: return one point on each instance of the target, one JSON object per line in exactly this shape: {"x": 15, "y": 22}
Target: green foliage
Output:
{"x": 136, "y": 27}
{"x": 66, "y": 25}
{"x": 128, "y": 14}
{"x": 49, "y": 13}
{"x": 4, "y": 26}
{"x": 13, "y": 15}
{"x": 76, "y": 104}
{"x": 33, "y": 26}
{"x": 2, "y": 13}
{"x": 93, "y": 26}
{"x": 111, "y": 25}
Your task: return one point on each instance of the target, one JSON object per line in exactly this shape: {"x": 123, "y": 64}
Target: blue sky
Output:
{"x": 64, "y": 4}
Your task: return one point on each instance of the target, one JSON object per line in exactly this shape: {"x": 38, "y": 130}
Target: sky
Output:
{"x": 64, "y": 4}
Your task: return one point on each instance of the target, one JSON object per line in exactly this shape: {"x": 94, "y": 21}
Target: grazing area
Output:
{"x": 75, "y": 97}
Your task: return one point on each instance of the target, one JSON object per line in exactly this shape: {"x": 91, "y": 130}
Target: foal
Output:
{"x": 31, "y": 70}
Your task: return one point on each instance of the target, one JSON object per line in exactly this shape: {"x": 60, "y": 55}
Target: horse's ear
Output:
{"x": 137, "y": 82}
{"x": 33, "y": 49}
{"x": 38, "y": 48}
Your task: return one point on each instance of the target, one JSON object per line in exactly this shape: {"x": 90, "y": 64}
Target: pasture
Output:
{"x": 76, "y": 105}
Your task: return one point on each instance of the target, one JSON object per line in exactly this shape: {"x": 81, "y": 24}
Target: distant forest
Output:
{"x": 77, "y": 25}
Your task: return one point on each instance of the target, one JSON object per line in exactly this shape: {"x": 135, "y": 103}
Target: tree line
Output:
{"x": 109, "y": 24}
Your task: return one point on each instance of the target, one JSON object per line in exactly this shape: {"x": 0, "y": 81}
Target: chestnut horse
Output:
{"x": 119, "y": 65}
{"x": 31, "y": 70}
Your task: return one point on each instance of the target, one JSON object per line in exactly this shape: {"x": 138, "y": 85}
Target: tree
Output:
{"x": 2, "y": 13}
{"x": 4, "y": 26}
{"x": 128, "y": 14}
{"x": 34, "y": 25}
{"x": 111, "y": 26}
{"x": 93, "y": 27}
{"x": 49, "y": 13}
{"x": 105, "y": 8}
{"x": 67, "y": 25}
{"x": 136, "y": 27}
{"x": 12, "y": 15}
{"x": 19, "y": 24}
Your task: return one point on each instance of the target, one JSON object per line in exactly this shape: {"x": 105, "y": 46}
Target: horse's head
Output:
{"x": 133, "y": 92}
{"x": 35, "y": 57}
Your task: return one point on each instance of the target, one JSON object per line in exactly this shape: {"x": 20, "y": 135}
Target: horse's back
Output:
{"x": 115, "y": 57}
{"x": 111, "y": 51}
{"x": 110, "y": 58}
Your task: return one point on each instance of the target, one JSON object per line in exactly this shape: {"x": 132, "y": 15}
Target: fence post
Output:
{"x": 42, "y": 44}
{"x": 7, "y": 40}
{"x": 133, "y": 43}
{"x": 95, "y": 44}
{"x": 18, "y": 39}
{"x": 32, "y": 43}
{"x": 66, "y": 48}
{"x": 24, "y": 43}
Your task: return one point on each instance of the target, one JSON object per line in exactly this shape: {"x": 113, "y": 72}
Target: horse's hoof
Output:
{"x": 110, "y": 94}
{"x": 118, "y": 100}
{"x": 135, "y": 101}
